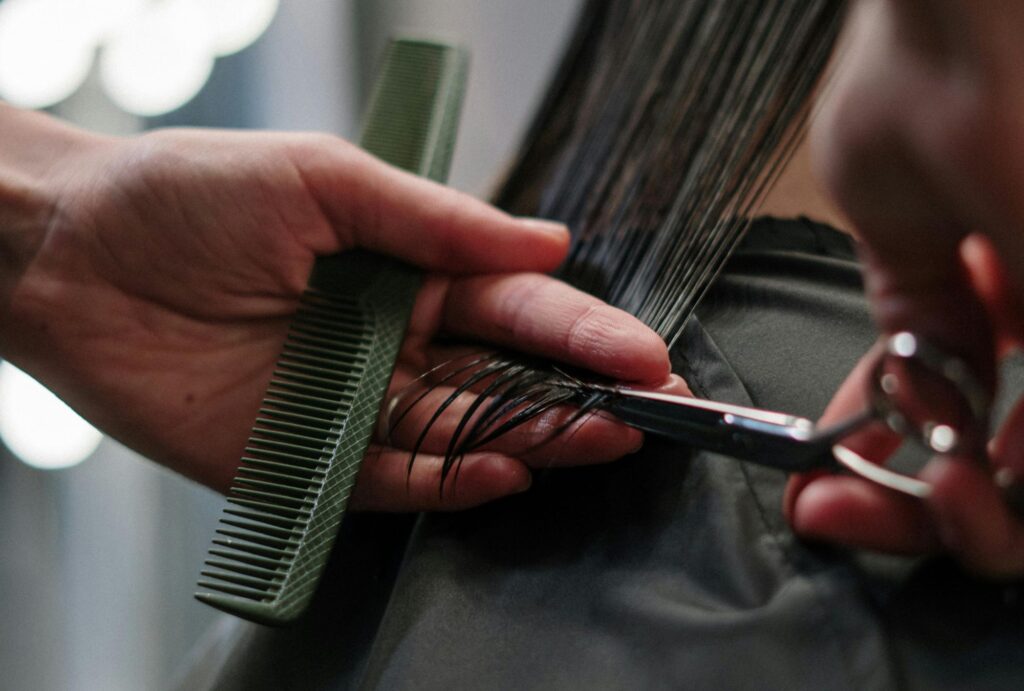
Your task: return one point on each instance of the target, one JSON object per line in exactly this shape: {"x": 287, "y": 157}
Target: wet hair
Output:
{"x": 663, "y": 128}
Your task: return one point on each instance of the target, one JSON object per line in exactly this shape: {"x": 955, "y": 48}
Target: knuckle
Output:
{"x": 584, "y": 333}
{"x": 314, "y": 143}
{"x": 518, "y": 309}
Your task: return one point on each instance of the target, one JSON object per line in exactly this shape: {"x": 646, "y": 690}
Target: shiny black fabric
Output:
{"x": 668, "y": 569}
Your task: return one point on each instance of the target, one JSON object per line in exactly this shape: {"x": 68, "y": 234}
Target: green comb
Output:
{"x": 296, "y": 475}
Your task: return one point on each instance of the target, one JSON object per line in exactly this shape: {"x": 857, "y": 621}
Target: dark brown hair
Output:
{"x": 661, "y": 131}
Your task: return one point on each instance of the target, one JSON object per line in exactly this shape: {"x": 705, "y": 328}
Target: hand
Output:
{"x": 921, "y": 144}
{"x": 156, "y": 296}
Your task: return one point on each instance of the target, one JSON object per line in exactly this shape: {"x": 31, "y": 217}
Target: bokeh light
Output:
{"x": 237, "y": 24}
{"x": 155, "y": 55}
{"x": 44, "y": 54}
{"x": 38, "y": 427}
{"x": 99, "y": 19}
{"x": 158, "y": 60}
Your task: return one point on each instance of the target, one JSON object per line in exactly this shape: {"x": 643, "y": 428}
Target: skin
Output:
{"x": 149, "y": 281}
{"x": 921, "y": 145}
{"x": 115, "y": 292}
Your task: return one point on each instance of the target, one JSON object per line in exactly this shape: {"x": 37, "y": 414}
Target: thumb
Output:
{"x": 871, "y": 152}
{"x": 375, "y": 206}
{"x": 917, "y": 281}
{"x": 910, "y": 246}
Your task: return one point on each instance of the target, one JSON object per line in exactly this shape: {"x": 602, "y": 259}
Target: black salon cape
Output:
{"x": 668, "y": 569}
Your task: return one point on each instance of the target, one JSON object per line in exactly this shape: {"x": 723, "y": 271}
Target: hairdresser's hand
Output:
{"x": 921, "y": 141}
{"x": 155, "y": 295}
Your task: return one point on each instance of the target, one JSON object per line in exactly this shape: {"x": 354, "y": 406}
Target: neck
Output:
{"x": 797, "y": 192}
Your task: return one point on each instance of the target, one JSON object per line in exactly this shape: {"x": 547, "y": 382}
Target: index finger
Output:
{"x": 852, "y": 510}
{"x": 541, "y": 315}
{"x": 376, "y": 206}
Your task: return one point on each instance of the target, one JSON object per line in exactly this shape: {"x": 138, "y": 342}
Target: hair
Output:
{"x": 663, "y": 128}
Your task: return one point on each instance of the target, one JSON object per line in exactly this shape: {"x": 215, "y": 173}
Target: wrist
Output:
{"x": 25, "y": 212}
{"x": 33, "y": 159}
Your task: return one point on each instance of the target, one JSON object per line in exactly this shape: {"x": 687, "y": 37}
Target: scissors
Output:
{"x": 917, "y": 390}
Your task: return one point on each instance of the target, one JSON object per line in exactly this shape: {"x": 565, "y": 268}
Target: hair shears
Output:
{"x": 916, "y": 389}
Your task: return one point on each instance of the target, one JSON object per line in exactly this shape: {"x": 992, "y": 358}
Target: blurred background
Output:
{"x": 100, "y": 549}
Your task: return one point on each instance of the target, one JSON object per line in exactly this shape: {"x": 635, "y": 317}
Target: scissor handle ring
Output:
{"x": 910, "y": 348}
{"x": 879, "y": 474}
{"x": 938, "y": 437}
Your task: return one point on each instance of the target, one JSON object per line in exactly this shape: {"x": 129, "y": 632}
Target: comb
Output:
{"x": 299, "y": 466}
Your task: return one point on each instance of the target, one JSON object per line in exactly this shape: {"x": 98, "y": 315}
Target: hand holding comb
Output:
{"x": 303, "y": 455}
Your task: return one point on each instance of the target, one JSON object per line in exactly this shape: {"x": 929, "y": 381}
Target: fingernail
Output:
{"x": 639, "y": 445}
{"x": 676, "y": 384}
{"x": 545, "y": 226}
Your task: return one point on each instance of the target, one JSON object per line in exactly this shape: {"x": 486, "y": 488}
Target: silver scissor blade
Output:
{"x": 765, "y": 437}
{"x": 678, "y": 403}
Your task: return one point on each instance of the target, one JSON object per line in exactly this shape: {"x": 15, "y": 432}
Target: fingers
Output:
{"x": 870, "y": 151}
{"x": 990, "y": 280}
{"x": 934, "y": 298}
{"x": 591, "y": 439}
{"x": 965, "y": 515}
{"x": 539, "y": 315}
{"x": 851, "y": 510}
{"x": 972, "y": 513}
{"x": 386, "y": 484}
{"x": 855, "y": 512}
{"x": 913, "y": 171}
{"x": 373, "y": 205}
{"x": 973, "y": 519}
{"x": 873, "y": 442}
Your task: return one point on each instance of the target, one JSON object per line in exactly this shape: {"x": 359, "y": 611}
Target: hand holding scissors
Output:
{"x": 918, "y": 141}
{"x": 911, "y": 390}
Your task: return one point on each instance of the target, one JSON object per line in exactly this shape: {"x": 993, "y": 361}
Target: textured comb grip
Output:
{"x": 318, "y": 416}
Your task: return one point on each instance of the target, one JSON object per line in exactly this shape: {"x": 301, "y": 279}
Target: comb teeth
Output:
{"x": 290, "y": 449}
{"x": 314, "y": 425}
